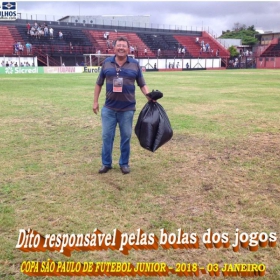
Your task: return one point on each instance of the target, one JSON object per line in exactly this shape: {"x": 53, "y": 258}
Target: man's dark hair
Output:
{"x": 121, "y": 39}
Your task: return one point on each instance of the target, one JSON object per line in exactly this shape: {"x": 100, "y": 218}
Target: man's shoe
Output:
{"x": 125, "y": 169}
{"x": 104, "y": 169}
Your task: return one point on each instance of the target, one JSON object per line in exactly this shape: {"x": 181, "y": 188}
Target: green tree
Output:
{"x": 233, "y": 51}
{"x": 239, "y": 31}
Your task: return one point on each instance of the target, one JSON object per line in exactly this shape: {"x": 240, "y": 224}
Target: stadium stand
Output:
{"x": 134, "y": 40}
{"x": 273, "y": 49}
{"x": 165, "y": 42}
{"x": 55, "y": 47}
{"x": 89, "y": 40}
{"x": 194, "y": 48}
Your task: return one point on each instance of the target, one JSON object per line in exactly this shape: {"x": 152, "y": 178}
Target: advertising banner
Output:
{"x": 21, "y": 70}
{"x": 92, "y": 69}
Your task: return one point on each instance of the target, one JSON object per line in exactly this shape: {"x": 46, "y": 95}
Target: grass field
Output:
{"x": 221, "y": 170}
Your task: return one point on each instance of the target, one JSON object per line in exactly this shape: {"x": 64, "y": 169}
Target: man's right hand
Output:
{"x": 95, "y": 108}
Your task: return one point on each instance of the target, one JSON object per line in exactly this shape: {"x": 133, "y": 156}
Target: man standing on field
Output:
{"x": 120, "y": 73}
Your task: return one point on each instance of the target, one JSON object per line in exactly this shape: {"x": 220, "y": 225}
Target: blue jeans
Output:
{"x": 110, "y": 119}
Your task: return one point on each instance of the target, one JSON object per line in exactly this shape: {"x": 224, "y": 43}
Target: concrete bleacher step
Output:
{"x": 194, "y": 48}
{"x": 7, "y": 41}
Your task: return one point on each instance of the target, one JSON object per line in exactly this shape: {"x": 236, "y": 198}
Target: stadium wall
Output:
{"x": 161, "y": 64}
{"x": 67, "y": 70}
{"x": 20, "y": 59}
{"x": 193, "y": 63}
{"x": 268, "y": 63}
{"x": 49, "y": 70}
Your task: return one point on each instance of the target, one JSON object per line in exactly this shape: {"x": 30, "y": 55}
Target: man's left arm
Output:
{"x": 145, "y": 91}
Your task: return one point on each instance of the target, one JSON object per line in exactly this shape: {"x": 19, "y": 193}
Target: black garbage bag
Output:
{"x": 153, "y": 128}
{"x": 155, "y": 94}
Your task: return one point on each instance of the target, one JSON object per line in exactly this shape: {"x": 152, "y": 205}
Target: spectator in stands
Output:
{"x": 40, "y": 30}
{"x": 158, "y": 52}
{"x": 217, "y": 52}
{"x": 106, "y": 35}
{"x": 145, "y": 51}
{"x": 51, "y": 32}
{"x": 63, "y": 64}
{"x": 60, "y": 35}
{"x": 46, "y": 31}
{"x": 28, "y": 48}
{"x": 108, "y": 44}
{"x": 70, "y": 47}
{"x": 20, "y": 47}
{"x": 35, "y": 25}
{"x": 32, "y": 31}
{"x": 131, "y": 49}
{"x": 136, "y": 51}
{"x": 183, "y": 51}
{"x": 28, "y": 28}
{"x": 15, "y": 48}
{"x": 179, "y": 51}
{"x": 36, "y": 33}
{"x": 77, "y": 64}
{"x": 197, "y": 40}
{"x": 204, "y": 48}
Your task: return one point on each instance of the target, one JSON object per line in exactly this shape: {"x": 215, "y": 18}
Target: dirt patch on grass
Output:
{"x": 225, "y": 178}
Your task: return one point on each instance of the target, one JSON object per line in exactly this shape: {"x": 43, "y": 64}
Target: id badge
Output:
{"x": 117, "y": 84}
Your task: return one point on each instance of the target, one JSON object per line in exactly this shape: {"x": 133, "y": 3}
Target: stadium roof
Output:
{"x": 68, "y": 16}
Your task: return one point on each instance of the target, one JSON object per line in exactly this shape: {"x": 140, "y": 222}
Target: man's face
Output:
{"x": 121, "y": 48}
